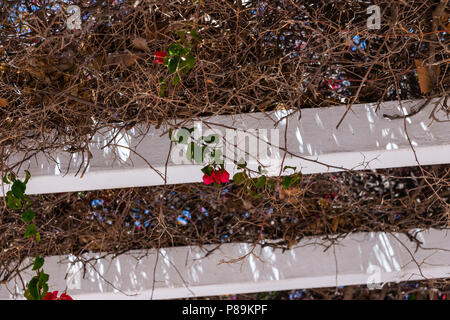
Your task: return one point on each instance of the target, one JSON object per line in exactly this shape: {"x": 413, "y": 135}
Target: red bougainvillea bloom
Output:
{"x": 160, "y": 56}
{"x": 224, "y": 176}
{"x": 54, "y": 296}
{"x": 219, "y": 176}
{"x": 208, "y": 179}
{"x": 64, "y": 296}
{"x": 51, "y": 296}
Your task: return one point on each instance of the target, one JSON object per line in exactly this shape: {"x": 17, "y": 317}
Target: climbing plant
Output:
{"x": 180, "y": 59}
{"x": 16, "y": 199}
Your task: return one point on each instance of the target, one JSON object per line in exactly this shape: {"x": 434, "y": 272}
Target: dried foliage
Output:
{"x": 59, "y": 87}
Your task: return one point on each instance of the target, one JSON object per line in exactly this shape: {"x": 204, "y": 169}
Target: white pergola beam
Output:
{"x": 360, "y": 258}
{"x": 365, "y": 140}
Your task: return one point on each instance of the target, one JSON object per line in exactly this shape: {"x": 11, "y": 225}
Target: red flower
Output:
{"x": 51, "y": 296}
{"x": 224, "y": 176}
{"x": 64, "y": 296}
{"x": 160, "y": 55}
{"x": 208, "y": 179}
{"x": 219, "y": 176}
{"x": 54, "y": 296}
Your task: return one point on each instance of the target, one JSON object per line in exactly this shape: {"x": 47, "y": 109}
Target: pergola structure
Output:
{"x": 371, "y": 136}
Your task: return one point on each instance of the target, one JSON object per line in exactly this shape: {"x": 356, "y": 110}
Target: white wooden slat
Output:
{"x": 365, "y": 140}
{"x": 187, "y": 271}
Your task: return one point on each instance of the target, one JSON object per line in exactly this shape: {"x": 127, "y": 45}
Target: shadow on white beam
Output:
{"x": 365, "y": 140}
{"x": 361, "y": 258}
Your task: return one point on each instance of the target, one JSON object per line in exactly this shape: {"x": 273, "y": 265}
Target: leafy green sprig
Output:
{"x": 263, "y": 182}
{"x": 180, "y": 59}
{"x": 16, "y": 199}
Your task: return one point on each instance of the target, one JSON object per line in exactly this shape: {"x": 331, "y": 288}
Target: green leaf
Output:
{"x": 5, "y": 180}
{"x": 190, "y": 61}
{"x": 174, "y": 49}
{"x": 31, "y": 231}
{"x": 12, "y": 202}
{"x": 38, "y": 263}
{"x": 27, "y": 201}
{"x": 287, "y": 181}
{"x": 18, "y": 189}
{"x": 37, "y": 288}
{"x": 182, "y": 67}
{"x": 186, "y": 64}
{"x": 173, "y": 64}
{"x": 271, "y": 184}
{"x": 175, "y": 80}
{"x": 38, "y": 237}
{"x": 207, "y": 170}
{"x": 27, "y": 295}
{"x": 261, "y": 182}
{"x": 43, "y": 278}
{"x": 289, "y": 167}
{"x": 183, "y": 70}
{"x": 185, "y": 51}
{"x": 32, "y": 288}
{"x": 239, "y": 177}
{"x": 27, "y": 176}
{"x": 45, "y": 290}
{"x": 28, "y": 215}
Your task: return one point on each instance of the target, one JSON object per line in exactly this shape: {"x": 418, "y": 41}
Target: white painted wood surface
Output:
{"x": 187, "y": 271}
{"x": 365, "y": 140}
